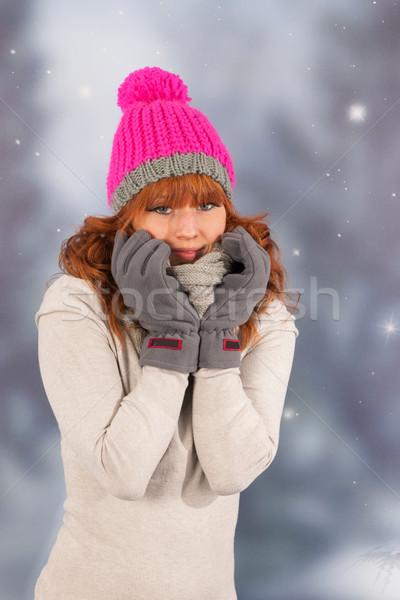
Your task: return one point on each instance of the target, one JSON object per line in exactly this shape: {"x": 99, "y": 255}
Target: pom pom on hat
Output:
{"x": 151, "y": 84}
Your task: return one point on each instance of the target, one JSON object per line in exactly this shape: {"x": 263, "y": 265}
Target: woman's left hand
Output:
{"x": 235, "y": 299}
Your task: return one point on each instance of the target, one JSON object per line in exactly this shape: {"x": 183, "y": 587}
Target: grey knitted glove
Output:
{"x": 235, "y": 299}
{"x": 138, "y": 266}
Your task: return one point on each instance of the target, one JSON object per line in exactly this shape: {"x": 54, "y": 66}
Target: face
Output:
{"x": 187, "y": 229}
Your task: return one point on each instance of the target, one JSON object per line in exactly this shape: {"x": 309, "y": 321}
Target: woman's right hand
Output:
{"x": 138, "y": 266}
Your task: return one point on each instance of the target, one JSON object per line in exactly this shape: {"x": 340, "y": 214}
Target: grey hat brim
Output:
{"x": 159, "y": 168}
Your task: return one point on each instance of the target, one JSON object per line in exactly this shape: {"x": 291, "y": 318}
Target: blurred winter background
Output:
{"x": 306, "y": 95}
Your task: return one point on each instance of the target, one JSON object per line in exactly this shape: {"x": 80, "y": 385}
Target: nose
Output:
{"x": 186, "y": 225}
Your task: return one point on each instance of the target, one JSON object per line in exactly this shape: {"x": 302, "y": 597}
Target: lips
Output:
{"x": 187, "y": 253}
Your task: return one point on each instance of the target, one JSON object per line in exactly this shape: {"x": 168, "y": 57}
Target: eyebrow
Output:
{"x": 156, "y": 201}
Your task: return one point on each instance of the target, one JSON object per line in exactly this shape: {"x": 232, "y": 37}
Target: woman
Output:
{"x": 165, "y": 351}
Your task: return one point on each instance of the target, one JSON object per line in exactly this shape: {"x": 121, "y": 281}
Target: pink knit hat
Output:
{"x": 160, "y": 135}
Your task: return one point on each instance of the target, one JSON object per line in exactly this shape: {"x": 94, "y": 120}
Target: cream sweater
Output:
{"x": 154, "y": 460}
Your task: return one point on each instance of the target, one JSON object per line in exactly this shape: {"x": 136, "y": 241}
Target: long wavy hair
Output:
{"x": 87, "y": 254}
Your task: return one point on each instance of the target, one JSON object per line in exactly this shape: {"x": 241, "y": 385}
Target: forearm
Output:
{"x": 127, "y": 452}
{"x": 231, "y": 439}
{"x": 237, "y": 413}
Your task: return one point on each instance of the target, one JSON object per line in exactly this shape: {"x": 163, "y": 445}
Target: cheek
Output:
{"x": 217, "y": 225}
{"x": 149, "y": 223}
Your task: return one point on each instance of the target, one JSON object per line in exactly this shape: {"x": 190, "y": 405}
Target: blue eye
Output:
{"x": 157, "y": 210}
{"x": 209, "y": 204}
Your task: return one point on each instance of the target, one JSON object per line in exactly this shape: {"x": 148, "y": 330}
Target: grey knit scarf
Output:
{"x": 197, "y": 279}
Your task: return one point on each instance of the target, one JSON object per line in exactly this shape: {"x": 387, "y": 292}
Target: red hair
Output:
{"x": 87, "y": 254}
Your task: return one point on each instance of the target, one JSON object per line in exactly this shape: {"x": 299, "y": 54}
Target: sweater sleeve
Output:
{"x": 120, "y": 438}
{"x": 237, "y": 411}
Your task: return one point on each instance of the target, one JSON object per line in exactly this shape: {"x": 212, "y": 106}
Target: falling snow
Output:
{"x": 356, "y": 112}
